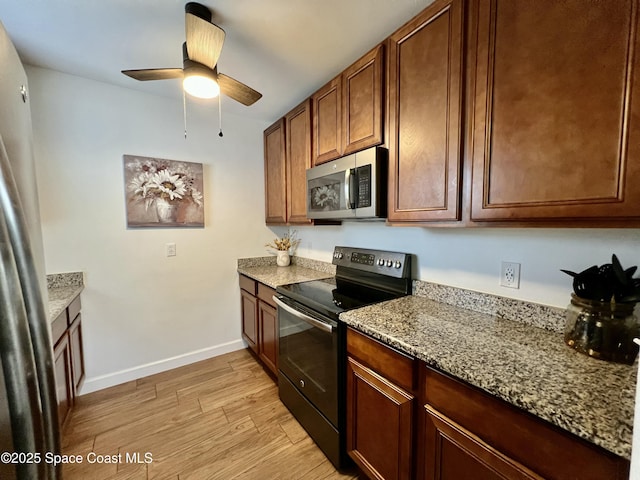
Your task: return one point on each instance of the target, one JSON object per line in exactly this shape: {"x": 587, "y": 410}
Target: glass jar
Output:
{"x": 603, "y": 330}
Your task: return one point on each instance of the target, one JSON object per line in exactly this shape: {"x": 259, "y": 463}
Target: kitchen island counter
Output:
{"x": 527, "y": 366}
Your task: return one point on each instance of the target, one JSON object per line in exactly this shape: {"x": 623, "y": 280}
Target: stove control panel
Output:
{"x": 394, "y": 264}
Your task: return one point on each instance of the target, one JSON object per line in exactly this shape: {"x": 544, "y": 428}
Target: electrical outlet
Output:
{"x": 171, "y": 249}
{"x": 510, "y": 275}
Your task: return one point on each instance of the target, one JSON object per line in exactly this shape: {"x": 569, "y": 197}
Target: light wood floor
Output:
{"x": 216, "y": 419}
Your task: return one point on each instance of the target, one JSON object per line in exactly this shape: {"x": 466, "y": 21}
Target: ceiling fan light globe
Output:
{"x": 201, "y": 86}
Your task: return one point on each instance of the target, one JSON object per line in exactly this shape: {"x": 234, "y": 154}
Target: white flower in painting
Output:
{"x": 197, "y": 196}
{"x": 140, "y": 184}
{"x": 170, "y": 186}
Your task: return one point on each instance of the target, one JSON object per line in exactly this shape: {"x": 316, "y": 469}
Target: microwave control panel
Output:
{"x": 364, "y": 186}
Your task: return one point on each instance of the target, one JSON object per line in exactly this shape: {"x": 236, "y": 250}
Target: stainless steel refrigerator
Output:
{"x": 28, "y": 407}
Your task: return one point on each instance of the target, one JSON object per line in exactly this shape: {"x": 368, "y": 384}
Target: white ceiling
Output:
{"x": 285, "y": 49}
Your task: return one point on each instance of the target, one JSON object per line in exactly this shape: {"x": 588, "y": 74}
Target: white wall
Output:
{"x": 470, "y": 258}
{"x": 141, "y": 309}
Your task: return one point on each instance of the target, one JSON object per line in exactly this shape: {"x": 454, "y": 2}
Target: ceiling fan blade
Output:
{"x": 237, "y": 90}
{"x": 204, "y": 40}
{"x": 154, "y": 73}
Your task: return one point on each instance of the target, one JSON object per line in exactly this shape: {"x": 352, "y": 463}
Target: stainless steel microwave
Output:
{"x": 353, "y": 187}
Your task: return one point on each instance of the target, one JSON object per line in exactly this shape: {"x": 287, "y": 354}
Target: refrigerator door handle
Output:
{"x": 16, "y": 233}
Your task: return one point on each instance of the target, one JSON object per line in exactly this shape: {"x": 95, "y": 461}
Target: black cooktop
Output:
{"x": 363, "y": 277}
{"x": 333, "y": 296}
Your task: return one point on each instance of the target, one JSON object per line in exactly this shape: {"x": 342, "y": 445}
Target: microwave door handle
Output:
{"x": 325, "y": 327}
{"x": 350, "y": 188}
{"x": 347, "y": 185}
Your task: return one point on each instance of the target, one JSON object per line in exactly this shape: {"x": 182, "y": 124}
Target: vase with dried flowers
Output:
{"x": 284, "y": 247}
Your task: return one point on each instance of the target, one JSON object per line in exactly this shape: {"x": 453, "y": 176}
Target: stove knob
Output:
{"x": 397, "y": 264}
{"x": 381, "y": 262}
{"x": 340, "y": 255}
{"x": 389, "y": 263}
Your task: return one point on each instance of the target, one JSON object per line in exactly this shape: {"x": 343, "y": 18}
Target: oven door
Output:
{"x": 309, "y": 355}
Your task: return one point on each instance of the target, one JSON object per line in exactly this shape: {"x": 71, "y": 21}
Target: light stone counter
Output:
{"x": 62, "y": 289}
{"x": 527, "y": 366}
{"x": 265, "y": 270}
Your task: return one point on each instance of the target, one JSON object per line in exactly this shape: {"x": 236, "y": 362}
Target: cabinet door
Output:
{"x": 269, "y": 336}
{"x": 453, "y": 454}
{"x": 425, "y": 130}
{"x": 298, "y": 140}
{"x": 379, "y": 424}
{"x": 64, "y": 382}
{"x": 362, "y": 102}
{"x": 525, "y": 439}
{"x": 249, "y": 309}
{"x": 556, "y": 111}
{"x": 327, "y": 122}
{"x": 275, "y": 174}
{"x": 77, "y": 353}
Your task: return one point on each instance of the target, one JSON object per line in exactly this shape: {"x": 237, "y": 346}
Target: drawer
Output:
{"x": 248, "y": 284}
{"x": 266, "y": 293}
{"x": 59, "y": 327}
{"x": 73, "y": 309}
{"x": 391, "y": 364}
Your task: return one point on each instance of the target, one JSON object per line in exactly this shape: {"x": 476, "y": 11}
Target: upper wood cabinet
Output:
{"x": 425, "y": 85}
{"x": 556, "y": 110}
{"x": 275, "y": 174}
{"x": 287, "y": 155}
{"x": 348, "y": 111}
{"x": 298, "y": 160}
{"x": 327, "y": 122}
{"x": 362, "y": 102}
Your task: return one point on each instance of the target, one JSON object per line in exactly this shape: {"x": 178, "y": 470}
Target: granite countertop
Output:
{"x": 265, "y": 270}
{"x": 527, "y": 366}
{"x": 63, "y": 288}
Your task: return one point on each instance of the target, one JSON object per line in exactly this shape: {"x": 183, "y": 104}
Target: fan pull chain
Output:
{"x": 220, "y": 114}
{"x": 184, "y": 112}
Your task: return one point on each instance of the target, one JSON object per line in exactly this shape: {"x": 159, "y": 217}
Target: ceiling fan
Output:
{"x": 200, "y": 55}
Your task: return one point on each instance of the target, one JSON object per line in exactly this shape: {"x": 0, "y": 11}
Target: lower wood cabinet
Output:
{"x": 380, "y": 408}
{"x": 268, "y": 321}
{"x": 260, "y": 321}
{"x": 454, "y": 453}
{"x": 63, "y": 376}
{"x": 408, "y": 420}
{"x": 77, "y": 353}
{"x": 249, "y": 311}
{"x": 68, "y": 357}
{"x": 470, "y": 432}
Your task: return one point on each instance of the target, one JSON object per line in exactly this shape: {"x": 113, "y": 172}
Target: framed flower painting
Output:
{"x": 163, "y": 193}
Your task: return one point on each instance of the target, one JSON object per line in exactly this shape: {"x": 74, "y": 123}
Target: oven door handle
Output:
{"x": 325, "y": 327}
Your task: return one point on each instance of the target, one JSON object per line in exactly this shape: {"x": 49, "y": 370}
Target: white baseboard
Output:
{"x": 109, "y": 380}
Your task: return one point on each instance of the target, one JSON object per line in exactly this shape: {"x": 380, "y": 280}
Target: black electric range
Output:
{"x": 312, "y": 341}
